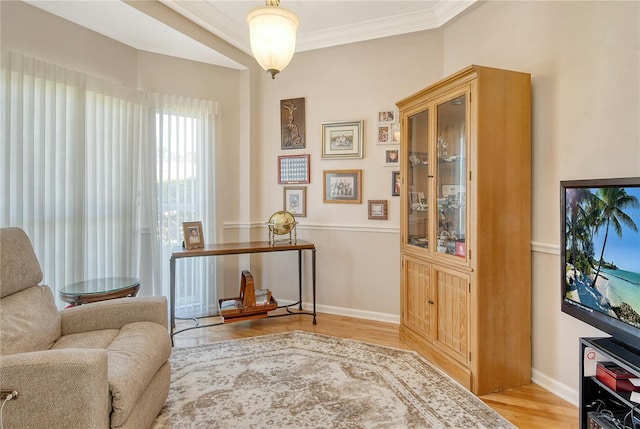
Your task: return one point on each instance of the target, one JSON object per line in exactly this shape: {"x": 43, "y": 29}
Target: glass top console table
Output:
{"x": 222, "y": 249}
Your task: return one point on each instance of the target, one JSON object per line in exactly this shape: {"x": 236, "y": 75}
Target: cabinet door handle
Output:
{"x": 431, "y": 302}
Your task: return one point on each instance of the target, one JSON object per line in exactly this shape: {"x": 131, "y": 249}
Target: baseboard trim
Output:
{"x": 559, "y": 389}
{"x": 348, "y": 312}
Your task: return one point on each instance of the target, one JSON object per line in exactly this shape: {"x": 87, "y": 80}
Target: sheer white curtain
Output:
{"x": 70, "y": 149}
{"x": 101, "y": 178}
{"x": 185, "y": 130}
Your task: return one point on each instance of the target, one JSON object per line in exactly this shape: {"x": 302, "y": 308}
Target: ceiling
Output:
{"x": 323, "y": 23}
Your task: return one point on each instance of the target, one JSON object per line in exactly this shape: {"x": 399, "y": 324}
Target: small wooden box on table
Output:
{"x": 223, "y": 249}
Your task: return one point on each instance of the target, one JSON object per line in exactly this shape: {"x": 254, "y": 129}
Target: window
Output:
{"x": 185, "y": 166}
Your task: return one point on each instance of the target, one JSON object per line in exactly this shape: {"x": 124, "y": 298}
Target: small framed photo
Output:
{"x": 392, "y": 157}
{"x": 342, "y": 186}
{"x": 292, "y": 124}
{"x": 295, "y": 200}
{"x": 387, "y": 116}
{"x": 342, "y": 139}
{"x": 293, "y": 169}
{"x": 395, "y": 183}
{"x": 396, "y": 137}
{"x": 193, "y": 236}
{"x": 384, "y": 134}
{"x": 378, "y": 209}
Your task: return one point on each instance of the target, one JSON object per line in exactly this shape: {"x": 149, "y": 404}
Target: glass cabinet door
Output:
{"x": 417, "y": 178}
{"x": 451, "y": 176}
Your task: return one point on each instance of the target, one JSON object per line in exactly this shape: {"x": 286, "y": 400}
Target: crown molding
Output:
{"x": 425, "y": 19}
{"x": 210, "y": 18}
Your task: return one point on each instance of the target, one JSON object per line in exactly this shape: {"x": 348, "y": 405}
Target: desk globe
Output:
{"x": 282, "y": 223}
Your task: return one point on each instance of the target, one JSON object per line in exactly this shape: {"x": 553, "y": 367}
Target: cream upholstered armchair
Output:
{"x": 97, "y": 365}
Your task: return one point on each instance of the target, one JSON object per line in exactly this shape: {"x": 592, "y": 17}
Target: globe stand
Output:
{"x": 282, "y": 223}
{"x": 292, "y": 235}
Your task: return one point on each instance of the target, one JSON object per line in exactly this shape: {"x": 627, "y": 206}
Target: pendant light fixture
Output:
{"x": 272, "y": 31}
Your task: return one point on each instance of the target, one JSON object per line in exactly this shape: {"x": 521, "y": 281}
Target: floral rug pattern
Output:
{"x": 305, "y": 380}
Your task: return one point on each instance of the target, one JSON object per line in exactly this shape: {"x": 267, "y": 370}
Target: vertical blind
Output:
{"x": 79, "y": 168}
{"x": 184, "y": 131}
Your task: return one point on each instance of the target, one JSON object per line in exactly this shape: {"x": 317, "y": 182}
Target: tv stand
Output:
{"x": 596, "y": 396}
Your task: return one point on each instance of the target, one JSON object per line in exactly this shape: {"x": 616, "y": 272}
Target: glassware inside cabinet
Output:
{"x": 451, "y": 176}
{"x": 418, "y": 179}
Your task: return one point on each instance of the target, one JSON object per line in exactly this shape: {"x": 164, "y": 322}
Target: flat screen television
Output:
{"x": 600, "y": 253}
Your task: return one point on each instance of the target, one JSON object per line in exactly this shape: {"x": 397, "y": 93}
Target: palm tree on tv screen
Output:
{"x": 610, "y": 208}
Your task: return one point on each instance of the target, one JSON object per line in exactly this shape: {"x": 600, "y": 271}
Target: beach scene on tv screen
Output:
{"x": 602, "y": 250}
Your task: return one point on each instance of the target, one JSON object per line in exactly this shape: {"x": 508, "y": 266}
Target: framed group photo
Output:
{"x": 342, "y": 186}
{"x": 193, "y": 236}
{"x": 295, "y": 200}
{"x": 342, "y": 139}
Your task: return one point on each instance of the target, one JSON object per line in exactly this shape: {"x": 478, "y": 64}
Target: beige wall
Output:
{"x": 584, "y": 58}
{"x": 584, "y": 62}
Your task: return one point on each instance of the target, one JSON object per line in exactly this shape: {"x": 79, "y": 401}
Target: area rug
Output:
{"x": 305, "y": 380}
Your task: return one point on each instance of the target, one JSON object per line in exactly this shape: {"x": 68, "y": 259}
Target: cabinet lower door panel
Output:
{"x": 452, "y": 300}
{"x": 417, "y": 307}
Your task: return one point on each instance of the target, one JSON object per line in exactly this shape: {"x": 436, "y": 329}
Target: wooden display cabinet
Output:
{"x": 465, "y": 204}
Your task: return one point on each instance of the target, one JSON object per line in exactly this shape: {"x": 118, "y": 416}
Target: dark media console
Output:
{"x": 601, "y": 406}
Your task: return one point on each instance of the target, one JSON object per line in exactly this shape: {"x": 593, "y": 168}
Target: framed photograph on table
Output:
{"x": 293, "y": 169}
{"x": 342, "y": 186}
{"x": 378, "y": 209}
{"x": 295, "y": 200}
{"x": 342, "y": 139}
{"x": 193, "y": 236}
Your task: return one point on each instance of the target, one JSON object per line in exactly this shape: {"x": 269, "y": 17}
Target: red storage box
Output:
{"x": 615, "y": 377}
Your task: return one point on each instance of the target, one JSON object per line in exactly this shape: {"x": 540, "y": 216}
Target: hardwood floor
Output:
{"x": 527, "y": 407}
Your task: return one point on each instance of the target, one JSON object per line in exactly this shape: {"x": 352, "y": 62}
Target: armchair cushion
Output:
{"x": 140, "y": 348}
{"x": 114, "y": 314}
{"x": 87, "y": 340}
{"x": 29, "y": 321}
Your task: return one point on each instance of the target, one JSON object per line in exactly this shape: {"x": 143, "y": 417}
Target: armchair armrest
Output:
{"x": 56, "y": 388}
{"x": 113, "y": 314}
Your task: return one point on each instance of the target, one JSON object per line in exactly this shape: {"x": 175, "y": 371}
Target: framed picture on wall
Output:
{"x": 395, "y": 183}
{"x": 295, "y": 200}
{"x": 293, "y": 169}
{"x": 292, "y": 124}
{"x": 387, "y": 116}
{"x": 384, "y": 134}
{"x": 392, "y": 157}
{"x": 377, "y": 209}
{"x": 342, "y": 139}
{"x": 342, "y": 186}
